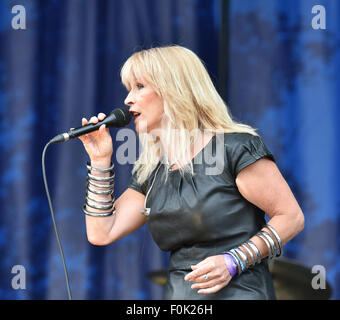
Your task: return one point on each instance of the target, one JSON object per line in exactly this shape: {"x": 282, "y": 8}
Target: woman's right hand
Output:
{"x": 98, "y": 144}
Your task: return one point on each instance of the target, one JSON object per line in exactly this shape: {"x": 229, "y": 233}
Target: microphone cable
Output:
{"x": 53, "y": 220}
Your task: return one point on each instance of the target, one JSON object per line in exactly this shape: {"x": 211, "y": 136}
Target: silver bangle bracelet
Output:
{"x": 243, "y": 257}
{"x": 99, "y": 200}
{"x": 270, "y": 254}
{"x": 236, "y": 259}
{"x": 98, "y": 206}
{"x": 253, "y": 246}
{"x": 271, "y": 242}
{"x": 105, "y": 170}
{"x": 101, "y": 179}
{"x": 278, "y": 239}
{"x": 100, "y": 192}
{"x": 98, "y": 214}
{"x": 253, "y": 262}
{"x": 104, "y": 186}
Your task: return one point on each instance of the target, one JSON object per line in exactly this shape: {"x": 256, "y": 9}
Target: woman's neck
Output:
{"x": 195, "y": 145}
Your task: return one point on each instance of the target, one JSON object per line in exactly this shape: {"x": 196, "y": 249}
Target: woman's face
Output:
{"x": 146, "y": 107}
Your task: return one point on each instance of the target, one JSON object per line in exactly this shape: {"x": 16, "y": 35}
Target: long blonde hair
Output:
{"x": 190, "y": 99}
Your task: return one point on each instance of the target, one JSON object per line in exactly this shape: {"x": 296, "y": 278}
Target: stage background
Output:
{"x": 273, "y": 69}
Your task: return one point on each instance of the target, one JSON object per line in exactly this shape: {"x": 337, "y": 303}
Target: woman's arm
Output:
{"x": 262, "y": 184}
{"x": 127, "y": 217}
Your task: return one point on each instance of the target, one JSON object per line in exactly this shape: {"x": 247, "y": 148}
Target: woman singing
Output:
{"x": 202, "y": 182}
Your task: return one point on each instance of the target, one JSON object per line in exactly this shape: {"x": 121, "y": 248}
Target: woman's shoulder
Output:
{"x": 243, "y": 149}
{"x": 236, "y": 140}
{"x": 240, "y": 137}
{"x": 241, "y": 140}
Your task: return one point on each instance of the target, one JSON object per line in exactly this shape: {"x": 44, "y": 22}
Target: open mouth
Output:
{"x": 135, "y": 114}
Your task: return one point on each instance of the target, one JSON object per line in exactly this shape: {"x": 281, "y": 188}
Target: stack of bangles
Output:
{"x": 237, "y": 260}
{"x": 99, "y": 191}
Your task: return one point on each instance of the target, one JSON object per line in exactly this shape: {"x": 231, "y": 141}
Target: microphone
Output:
{"x": 117, "y": 118}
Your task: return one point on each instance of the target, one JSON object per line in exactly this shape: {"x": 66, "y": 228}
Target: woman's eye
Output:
{"x": 139, "y": 86}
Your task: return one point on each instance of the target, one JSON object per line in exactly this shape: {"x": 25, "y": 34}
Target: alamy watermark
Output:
{"x": 19, "y": 20}
{"x": 319, "y": 280}
{"x": 319, "y": 20}
{"x": 19, "y": 279}
{"x": 213, "y": 154}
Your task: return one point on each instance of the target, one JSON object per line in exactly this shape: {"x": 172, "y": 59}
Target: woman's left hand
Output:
{"x": 210, "y": 275}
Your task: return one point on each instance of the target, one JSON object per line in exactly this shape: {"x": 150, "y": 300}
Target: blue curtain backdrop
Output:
{"x": 279, "y": 75}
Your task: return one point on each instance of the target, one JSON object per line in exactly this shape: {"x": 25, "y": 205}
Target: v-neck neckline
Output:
{"x": 198, "y": 153}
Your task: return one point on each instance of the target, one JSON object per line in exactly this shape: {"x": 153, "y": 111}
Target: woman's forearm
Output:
{"x": 287, "y": 227}
{"x": 98, "y": 228}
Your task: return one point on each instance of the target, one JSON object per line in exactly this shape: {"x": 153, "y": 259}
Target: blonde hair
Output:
{"x": 190, "y": 100}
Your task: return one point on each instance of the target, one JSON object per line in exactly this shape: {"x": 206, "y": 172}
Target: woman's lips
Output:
{"x": 135, "y": 114}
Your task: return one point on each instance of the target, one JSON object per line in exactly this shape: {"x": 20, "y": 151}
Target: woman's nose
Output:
{"x": 129, "y": 100}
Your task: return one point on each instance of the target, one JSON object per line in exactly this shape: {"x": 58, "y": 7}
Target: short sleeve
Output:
{"x": 134, "y": 184}
{"x": 243, "y": 149}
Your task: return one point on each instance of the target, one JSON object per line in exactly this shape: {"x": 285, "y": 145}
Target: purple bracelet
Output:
{"x": 231, "y": 265}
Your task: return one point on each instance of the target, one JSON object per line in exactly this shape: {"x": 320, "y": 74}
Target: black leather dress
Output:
{"x": 198, "y": 216}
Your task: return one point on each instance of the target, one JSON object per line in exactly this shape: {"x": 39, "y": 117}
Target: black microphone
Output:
{"x": 117, "y": 118}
